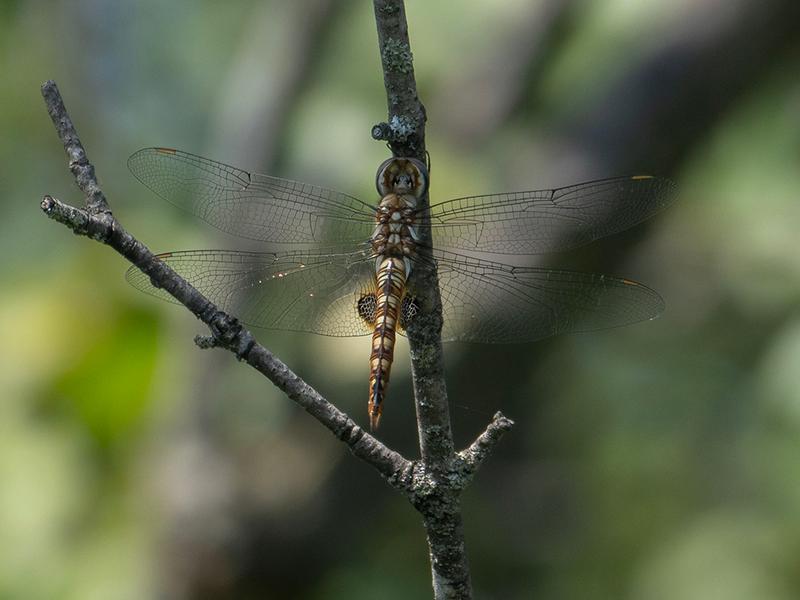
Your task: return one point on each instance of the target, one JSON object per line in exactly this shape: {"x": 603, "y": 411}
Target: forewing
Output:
{"x": 294, "y": 291}
{"x": 252, "y": 206}
{"x": 490, "y": 302}
{"x": 548, "y": 220}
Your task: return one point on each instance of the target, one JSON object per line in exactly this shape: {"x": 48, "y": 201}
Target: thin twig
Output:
{"x": 405, "y": 127}
{"x": 82, "y": 170}
{"x": 438, "y": 482}
{"x": 483, "y": 445}
{"x": 97, "y": 222}
{"x": 427, "y": 358}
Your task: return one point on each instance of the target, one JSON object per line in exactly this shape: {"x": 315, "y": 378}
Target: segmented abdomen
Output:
{"x": 391, "y": 278}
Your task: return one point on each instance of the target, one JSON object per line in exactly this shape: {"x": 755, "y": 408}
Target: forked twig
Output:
{"x": 433, "y": 484}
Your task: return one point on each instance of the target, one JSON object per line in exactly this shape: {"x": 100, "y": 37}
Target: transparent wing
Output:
{"x": 293, "y": 291}
{"x": 483, "y": 301}
{"x": 548, "y": 220}
{"x": 250, "y": 205}
{"x": 491, "y": 302}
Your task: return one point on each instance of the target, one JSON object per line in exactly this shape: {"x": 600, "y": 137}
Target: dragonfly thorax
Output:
{"x": 401, "y": 183}
{"x": 394, "y": 235}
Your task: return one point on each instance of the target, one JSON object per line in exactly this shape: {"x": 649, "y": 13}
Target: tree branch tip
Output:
{"x": 480, "y": 449}
{"x": 49, "y": 87}
{"x": 54, "y": 208}
{"x": 204, "y": 342}
{"x": 501, "y": 421}
{"x": 48, "y": 204}
{"x": 52, "y": 97}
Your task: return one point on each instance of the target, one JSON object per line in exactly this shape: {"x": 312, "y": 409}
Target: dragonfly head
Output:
{"x": 402, "y": 176}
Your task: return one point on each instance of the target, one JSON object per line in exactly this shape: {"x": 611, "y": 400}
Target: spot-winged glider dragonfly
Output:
{"x": 346, "y": 272}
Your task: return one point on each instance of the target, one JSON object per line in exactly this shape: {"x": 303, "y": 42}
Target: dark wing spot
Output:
{"x": 367, "y": 306}
{"x": 408, "y": 310}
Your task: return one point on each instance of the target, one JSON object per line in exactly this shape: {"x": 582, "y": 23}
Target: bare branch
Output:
{"x": 483, "y": 445}
{"x": 405, "y": 128}
{"x": 79, "y": 164}
{"x": 406, "y": 136}
{"x": 97, "y": 222}
{"x": 437, "y": 484}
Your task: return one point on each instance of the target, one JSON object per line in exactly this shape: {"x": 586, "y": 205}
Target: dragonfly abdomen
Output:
{"x": 391, "y": 283}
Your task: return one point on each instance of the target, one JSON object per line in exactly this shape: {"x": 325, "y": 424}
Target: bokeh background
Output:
{"x": 655, "y": 462}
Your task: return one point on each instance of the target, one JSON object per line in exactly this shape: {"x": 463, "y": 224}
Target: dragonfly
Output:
{"x": 345, "y": 267}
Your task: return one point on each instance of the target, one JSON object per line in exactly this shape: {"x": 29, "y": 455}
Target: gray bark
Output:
{"x": 441, "y": 476}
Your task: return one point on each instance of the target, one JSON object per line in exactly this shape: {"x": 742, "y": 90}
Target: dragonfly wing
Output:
{"x": 293, "y": 291}
{"x": 491, "y": 302}
{"x": 250, "y": 205}
{"x": 548, "y": 220}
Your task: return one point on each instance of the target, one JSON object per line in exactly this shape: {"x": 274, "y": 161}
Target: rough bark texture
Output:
{"x": 405, "y": 128}
{"x": 437, "y": 493}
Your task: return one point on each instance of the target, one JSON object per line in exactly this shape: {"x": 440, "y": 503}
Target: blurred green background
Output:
{"x": 655, "y": 462}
